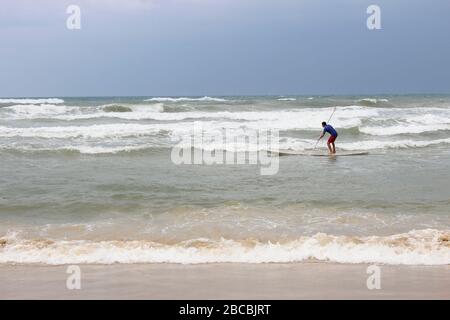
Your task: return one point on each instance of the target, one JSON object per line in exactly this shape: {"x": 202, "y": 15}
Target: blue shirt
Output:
{"x": 330, "y": 130}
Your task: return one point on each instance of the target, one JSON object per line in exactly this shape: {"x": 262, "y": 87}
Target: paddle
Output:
{"x": 334, "y": 109}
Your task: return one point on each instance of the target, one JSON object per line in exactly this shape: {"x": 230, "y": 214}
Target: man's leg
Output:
{"x": 334, "y": 147}
{"x": 329, "y": 147}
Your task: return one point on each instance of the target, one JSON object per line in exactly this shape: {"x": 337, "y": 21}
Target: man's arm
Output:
{"x": 321, "y": 136}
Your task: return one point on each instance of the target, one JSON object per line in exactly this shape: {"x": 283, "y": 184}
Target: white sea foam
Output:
{"x": 255, "y": 122}
{"x": 440, "y": 118}
{"x": 32, "y": 101}
{"x": 209, "y": 144}
{"x": 181, "y": 99}
{"x": 85, "y": 149}
{"x": 62, "y": 112}
{"x": 32, "y": 111}
{"x": 175, "y": 125}
{"x": 173, "y": 132}
{"x": 281, "y": 119}
{"x": 397, "y": 144}
{"x": 403, "y": 129}
{"x": 93, "y": 131}
{"x": 286, "y": 99}
{"x": 373, "y": 100}
{"x": 284, "y": 120}
{"x": 417, "y": 247}
{"x": 391, "y": 121}
{"x": 308, "y": 144}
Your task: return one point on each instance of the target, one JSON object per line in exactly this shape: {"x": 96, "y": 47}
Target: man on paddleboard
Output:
{"x": 333, "y": 135}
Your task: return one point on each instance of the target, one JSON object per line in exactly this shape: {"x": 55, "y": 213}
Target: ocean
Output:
{"x": 92, "y": 181}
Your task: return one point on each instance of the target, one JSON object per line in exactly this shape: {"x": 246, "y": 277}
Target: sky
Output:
{"x": 223, "y": 47}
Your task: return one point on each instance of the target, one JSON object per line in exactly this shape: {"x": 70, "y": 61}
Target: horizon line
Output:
{"x": 229, "y": 95}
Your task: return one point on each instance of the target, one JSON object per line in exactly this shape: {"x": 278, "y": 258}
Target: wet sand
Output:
{"x": 225, "y": 281}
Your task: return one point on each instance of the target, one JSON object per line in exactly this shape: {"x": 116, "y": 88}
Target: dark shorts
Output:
{"x": 331, "y": 139}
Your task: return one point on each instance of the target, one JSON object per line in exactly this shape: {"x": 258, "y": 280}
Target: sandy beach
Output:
{"x": 225, "y": 281}
{"x": 225, "y": 150}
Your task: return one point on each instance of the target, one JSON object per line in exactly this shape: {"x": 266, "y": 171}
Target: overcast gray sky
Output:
{"x": 223, "y": 47}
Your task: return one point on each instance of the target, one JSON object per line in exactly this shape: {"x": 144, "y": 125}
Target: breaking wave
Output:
{"x": 403, "y": 129}
{"x": 32, "y": 111}
{"x": 32, "y": 101}
{"x": 417, "y": 247}
{"x": 129, "y": 126}
{"x": 183, "y": 99}
{"x": 399, "y": 144}
{"x": 286, "y": 99}
{"x": 368, "y": 102}
{"x": 300, "y": 145}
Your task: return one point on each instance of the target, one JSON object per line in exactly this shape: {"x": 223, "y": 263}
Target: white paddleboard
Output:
{"x": 289, "y": 152}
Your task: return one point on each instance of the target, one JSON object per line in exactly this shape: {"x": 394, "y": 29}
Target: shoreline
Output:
{"x": 309, "y": 280}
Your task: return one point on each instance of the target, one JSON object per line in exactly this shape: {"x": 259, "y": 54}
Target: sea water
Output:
{"x": 91, "y": 180}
